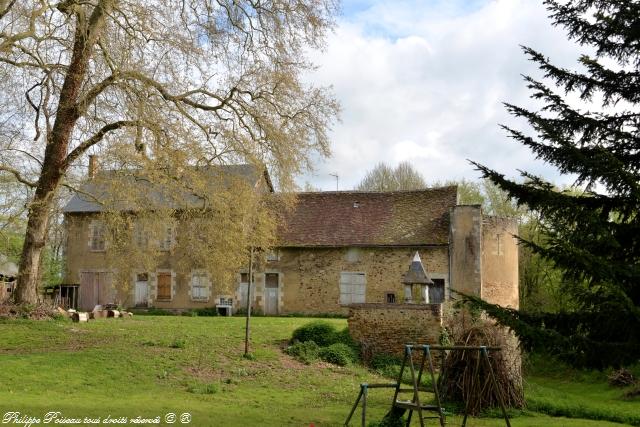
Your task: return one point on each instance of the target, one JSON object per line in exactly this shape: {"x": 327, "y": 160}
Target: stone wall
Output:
{"x": 466, "y": 249}
{"x": 311, "y": 276}
{"x": 386, "y": 328}
{"x": 308, "y": 278}
{"x": 500, "y": 261}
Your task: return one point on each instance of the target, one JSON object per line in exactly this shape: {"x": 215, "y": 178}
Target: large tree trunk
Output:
{"x": 54, "y": 165}
{"x": 30, "y": 260}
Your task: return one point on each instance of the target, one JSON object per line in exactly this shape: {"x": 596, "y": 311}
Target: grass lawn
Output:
{"x": 149, "y": 366}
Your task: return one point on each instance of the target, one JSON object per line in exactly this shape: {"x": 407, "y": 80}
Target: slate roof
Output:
{"x": 349, "y": 218}
{"x": 83, "y": 202}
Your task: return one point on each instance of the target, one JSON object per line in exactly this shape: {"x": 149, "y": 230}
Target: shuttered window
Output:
{"x": 199, "y": 286}
{"x": 164, "y": 286}
{"x": 353, "y": 288}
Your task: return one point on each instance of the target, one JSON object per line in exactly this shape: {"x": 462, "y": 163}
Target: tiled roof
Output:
{"x": 346, "y": 218}
{"x": 87, "y": 200}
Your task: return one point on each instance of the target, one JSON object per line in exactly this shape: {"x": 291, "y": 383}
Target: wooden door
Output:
{"x": 271, "y": 293}
{"x": 95, "y": 289}
{"x": 164, "y": 286}
{"x": 142, "y": 293}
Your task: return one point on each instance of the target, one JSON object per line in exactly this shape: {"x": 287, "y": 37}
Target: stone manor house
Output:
{"x": 335, "y": 249}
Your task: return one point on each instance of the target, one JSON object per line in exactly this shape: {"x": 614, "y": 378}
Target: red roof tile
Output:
{"x": 346, "y": 218}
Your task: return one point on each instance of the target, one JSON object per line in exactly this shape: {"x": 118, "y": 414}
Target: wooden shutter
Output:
{"x": 164, "y": 286}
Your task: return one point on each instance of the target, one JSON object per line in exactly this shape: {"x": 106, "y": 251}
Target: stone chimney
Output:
{"x": 93, "y": 166}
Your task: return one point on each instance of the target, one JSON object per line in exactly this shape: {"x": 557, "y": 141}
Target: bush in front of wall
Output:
{"x": 322, "y": 333}
{"x": 338, "y": 354}
{"x": 305, "y": 352}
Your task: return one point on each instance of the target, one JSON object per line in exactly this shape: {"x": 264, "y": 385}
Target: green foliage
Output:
{"x": 205, "y": 312}
{"x": 305, "y": 352}
{"x": 339, "y": 354}
{"x": 155, "y": 312}
{"x": 322, "y": 333}
{"x": 592, "y": 231}
{"x": 385, "y": 178}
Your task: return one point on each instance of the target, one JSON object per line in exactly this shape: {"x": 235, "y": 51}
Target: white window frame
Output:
{"x": 97, "y": 236}
{"x": 353, "y": 287}
{"x": 204, "y": 286}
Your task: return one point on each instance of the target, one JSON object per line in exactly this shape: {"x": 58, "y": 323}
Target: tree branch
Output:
{"x": 97, "y": 137}
{"x": 17, "y": 175}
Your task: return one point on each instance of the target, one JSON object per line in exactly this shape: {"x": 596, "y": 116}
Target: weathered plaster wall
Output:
{"x": 466, "y": 249}
{"x": 386, "y": 328}
{"x": 500, "y": 261}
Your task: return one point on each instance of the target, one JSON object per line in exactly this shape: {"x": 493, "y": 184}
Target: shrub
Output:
{"x": 338, "y": 354}
{"x": 345, "y": 337}
{"x": 322, "y": 333}
{"x": 305, "y": 352}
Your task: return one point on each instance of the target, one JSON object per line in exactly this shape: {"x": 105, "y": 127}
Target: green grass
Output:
{"x": 557, "y": 390}
{"x": 148, "y": 366}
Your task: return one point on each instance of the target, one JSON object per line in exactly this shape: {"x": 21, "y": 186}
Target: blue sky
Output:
{"x": 424, "y": 82}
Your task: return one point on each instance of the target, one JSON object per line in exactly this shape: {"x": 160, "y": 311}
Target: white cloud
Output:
{"x": 425, "y": 83}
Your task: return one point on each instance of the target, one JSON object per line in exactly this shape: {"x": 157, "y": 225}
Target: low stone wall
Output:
{"x": 386, "y": 328}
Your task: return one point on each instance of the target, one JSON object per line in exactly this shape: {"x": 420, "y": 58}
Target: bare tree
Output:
{"x": 385, "y": 178}
{"x": 154, "y": 84}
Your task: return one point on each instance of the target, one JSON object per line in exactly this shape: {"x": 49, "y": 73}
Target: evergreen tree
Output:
{"x": 592, "y": 235}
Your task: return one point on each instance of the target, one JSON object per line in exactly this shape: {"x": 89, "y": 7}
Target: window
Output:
{"x": 390, "y": 297}
{"x": 273, "y": 256}
{"x": 352, "y": 287}
{"x": 436, "y": 291}
{"x": 199, "y": 286}
{"x": 140, "y": 236}
{"x": 167, "y": 239}
{"x": 97, "y": 236}
{"x": 164, "y": 286}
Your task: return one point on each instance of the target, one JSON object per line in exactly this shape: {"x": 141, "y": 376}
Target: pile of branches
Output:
{"x": 41, "y": 311}
{"x": 621, "y": 378}
{"x": 465, "y": 378}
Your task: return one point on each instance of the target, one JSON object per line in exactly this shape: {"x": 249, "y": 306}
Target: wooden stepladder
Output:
{"x": 416, "y": 403}
{"x": 399, "y": 407}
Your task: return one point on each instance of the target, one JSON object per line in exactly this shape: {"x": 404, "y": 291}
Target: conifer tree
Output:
{"x": 593, "y": 234}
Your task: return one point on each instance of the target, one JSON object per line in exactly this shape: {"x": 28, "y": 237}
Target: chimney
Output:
{"x": 93, "y": 166}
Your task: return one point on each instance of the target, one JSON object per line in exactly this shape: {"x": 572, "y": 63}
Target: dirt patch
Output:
{"x": 204, "y": 373}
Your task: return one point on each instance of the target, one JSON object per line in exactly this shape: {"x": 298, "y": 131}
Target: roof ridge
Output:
{"x": 420, "y": 190}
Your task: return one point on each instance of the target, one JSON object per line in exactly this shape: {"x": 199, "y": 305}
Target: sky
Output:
{"x": 425, "y": 81}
